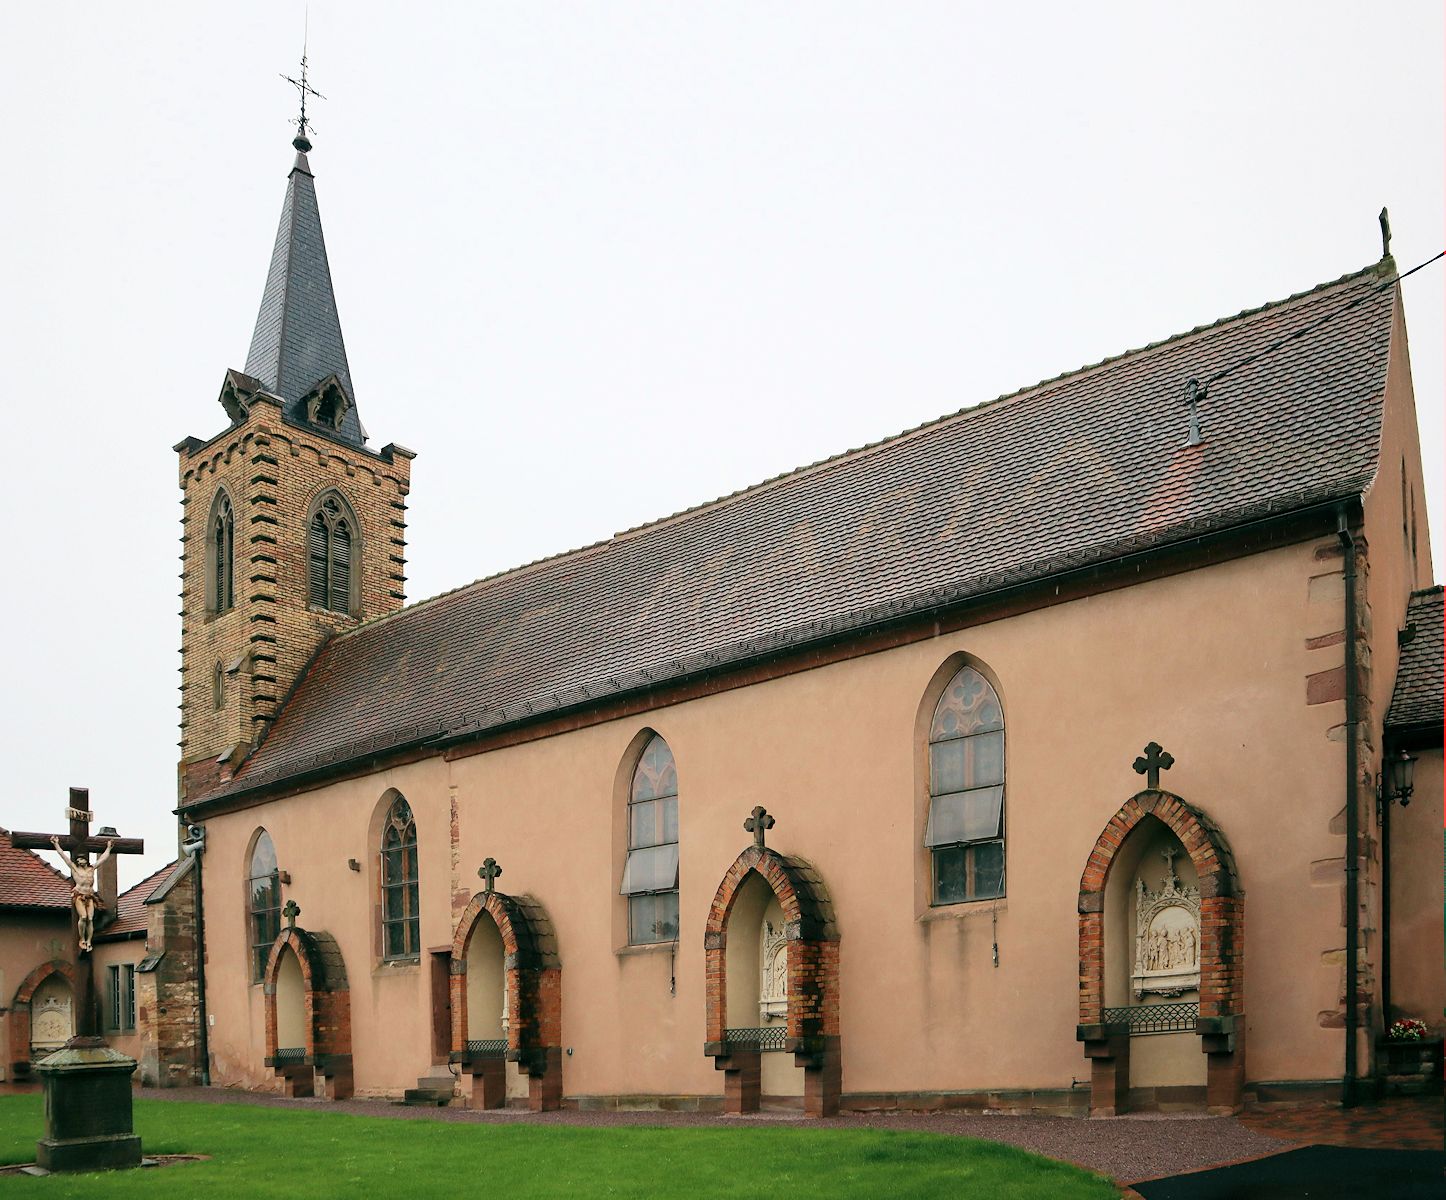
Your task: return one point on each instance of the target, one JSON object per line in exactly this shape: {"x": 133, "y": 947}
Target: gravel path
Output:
{"x": 1128, "y": 1148}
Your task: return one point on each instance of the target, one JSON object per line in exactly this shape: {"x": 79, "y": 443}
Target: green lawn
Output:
{"x": 259, "y": 1151}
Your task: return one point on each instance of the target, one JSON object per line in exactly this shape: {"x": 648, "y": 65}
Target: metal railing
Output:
{"x": 291, "y": 1054}
{"x": 1176, "y": 1017}
{"x": 767, "y": 1038}
{"x": 488, "y": 1046}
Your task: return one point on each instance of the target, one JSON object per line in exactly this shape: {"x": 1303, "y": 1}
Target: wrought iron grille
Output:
{"x": 769, "y": 1037}
{"x": 1177, "y": 1017}
{"x": 291, "y": 1054}
{"x": 489, "y": 1046}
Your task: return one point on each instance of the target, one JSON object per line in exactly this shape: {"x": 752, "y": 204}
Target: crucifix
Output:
{"x": 488, "y": 872}
{"x": 758, "y": 824}
{"x": 81, "y": 844}
{"x": 1152, "y": 762}
{"x": 1170, "y": 854}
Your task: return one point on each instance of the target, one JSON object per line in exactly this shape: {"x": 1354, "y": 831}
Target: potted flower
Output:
{"x": 1410, "y": 1058}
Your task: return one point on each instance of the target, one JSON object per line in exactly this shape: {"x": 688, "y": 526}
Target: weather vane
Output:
{"x": 303, "y": 126}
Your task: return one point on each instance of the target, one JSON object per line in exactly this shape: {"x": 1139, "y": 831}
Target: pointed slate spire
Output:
{"x": 296, "y": 350}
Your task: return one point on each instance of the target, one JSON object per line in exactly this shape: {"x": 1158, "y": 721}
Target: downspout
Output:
{"x": 1348, "y": 548}
{"x": 195, "y": 847}
{"x": 1383, "y": 819}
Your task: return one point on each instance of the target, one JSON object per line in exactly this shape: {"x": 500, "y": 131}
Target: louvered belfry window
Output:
{"x": 222, "y": 538}
{"x": 401, "y": 920}
{"x": 329, "y": 539}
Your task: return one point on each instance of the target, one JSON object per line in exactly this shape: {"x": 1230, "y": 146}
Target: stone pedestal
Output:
{"x": 87, "y": 1109}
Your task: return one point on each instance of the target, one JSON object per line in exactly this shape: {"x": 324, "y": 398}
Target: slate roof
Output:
{"x": 28, "y": 881}
{"x": 1076, "y": 470}
{"x": 1417, "y": 699}
{"x": 297, "y": 342}
{"x": 130, "y": 918}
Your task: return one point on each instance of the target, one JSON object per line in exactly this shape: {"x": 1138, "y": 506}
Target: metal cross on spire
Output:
{"x": 1155, "y": 759}
{"x": 303, "y": 126}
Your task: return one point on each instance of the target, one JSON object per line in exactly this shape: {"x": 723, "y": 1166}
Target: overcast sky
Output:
{"x": 596, "y": 263}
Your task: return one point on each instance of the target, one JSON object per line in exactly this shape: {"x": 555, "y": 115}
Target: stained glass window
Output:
{"x": 650, "y": 878}
{"x": 263, "y": 890}
{"x": 329, "y": 553}
{"x": 401, "y": 917}
{"x": 965, "y": 829}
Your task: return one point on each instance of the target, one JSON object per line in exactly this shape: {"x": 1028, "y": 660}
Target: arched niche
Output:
{"x": 756, "y": 958}
{"x": 528, "y": 1008}
{"x": 317, "y": 1032}
{"x": 758, "y": 878}
{"x": 1126, "y": 902}
{"x": 48, "y": 993}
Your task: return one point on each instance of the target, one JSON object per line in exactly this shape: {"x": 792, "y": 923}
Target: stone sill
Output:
{"x": 965, "y": 910}
{"x": 645, "y": 948}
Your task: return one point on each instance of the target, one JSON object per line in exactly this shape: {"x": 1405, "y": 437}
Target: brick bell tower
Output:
{"x": 293, "y": 529}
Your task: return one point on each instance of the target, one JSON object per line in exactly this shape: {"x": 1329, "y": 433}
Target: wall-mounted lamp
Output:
{"x": 353, "y": 865}
{"x": 1396, "y": 781}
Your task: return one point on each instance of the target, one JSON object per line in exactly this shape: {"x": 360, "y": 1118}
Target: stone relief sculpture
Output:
{"x": 772, "y": 973}
{"x": 1167, "y": 935}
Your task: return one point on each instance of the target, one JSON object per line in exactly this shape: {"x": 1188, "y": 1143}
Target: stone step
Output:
{"x": 434, "y": 1097}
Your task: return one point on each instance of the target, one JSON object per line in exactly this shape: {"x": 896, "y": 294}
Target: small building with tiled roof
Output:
{"x": 723, "y": 807}
{"x": 1411, "y": 832}
{"x": 37, "y": 955}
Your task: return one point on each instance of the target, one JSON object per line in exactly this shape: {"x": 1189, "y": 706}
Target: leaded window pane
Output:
{"x": 965, "y": 816}
{"x": 264, "y": 889}
{"x": 653, "y": 918}
{"x": 651, "y": 869}
{"x": 987, "y": 870}
{"x": 950, "y": 875}
{"x": 967, "y": 706}
{"x": 401, "y": 924}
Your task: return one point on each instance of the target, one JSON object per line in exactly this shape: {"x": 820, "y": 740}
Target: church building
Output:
{"x": 1054, "y": 755}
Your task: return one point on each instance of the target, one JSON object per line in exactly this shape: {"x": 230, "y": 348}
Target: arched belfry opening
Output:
{"x": 308, "y": 1012}
{"x": 1161, "y": 929}
{"x": 771, "y": 955}
{"x": 507, "y": 999}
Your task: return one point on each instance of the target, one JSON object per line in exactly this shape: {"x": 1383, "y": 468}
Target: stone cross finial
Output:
{"x": 291, "y": 910}
{"x": 758, "y": 824}
{"x": 488, "y": 871}
{"x": 1152, "y": 762}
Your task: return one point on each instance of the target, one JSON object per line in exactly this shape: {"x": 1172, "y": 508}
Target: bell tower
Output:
{"x": 293, "y": 529}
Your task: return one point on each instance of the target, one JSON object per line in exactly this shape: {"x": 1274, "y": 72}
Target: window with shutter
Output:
{"x": 219, "y": 552}
{"x": 331, "y": 539}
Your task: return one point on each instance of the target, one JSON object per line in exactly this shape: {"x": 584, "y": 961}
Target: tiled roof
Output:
{"x": 297, "y": 342}
{"x": 28, "y": 881}
{"x": 1417, "y": 699}
{"x": 130, "y": 906}
{"x": 1077, "y": 470}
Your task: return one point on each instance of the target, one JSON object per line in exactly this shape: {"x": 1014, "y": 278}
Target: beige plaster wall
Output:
{"x": 1418, "y": 958}
{"x": 1212, "y": 664}
{"x": 105, "y": 955}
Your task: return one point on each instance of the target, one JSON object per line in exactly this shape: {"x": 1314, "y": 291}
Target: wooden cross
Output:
{"x": 1152, "y": 762}
{"x": 291, "y": 911}
{"x": 757, "y": 824}
{"x": 79, "y": 840}
{"x": 488, "y": 871}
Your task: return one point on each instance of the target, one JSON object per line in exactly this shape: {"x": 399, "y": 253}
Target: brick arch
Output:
{"x": 327, "y": 997}
{"x": 18, "y": 1018}
{"x": 813, "y": 961}
{"x": 533, "y": 973}
{"x": 1222, "y": 950}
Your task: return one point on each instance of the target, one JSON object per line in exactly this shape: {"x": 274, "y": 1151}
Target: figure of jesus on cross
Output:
{"x": 82, "y": 871}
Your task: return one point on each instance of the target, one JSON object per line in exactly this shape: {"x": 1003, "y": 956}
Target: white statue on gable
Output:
{"x": 1167, "y": 935}
{"x": 772, "y": 973}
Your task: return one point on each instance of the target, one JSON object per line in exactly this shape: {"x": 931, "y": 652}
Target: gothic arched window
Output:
{"x": 401, "y": 922}
{"x": 965, "y": 830}
{"x": 331, "y": 536}
{"x": 263, "y": 895}
{"x": 220, "y": 539}
{"x": 650, "y": 879}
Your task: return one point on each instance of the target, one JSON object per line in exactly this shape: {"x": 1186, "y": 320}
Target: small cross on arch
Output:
{"x": 1152, "y": 762}
{"x": 291, "y": 910}
{"x": 758, "y": 824}
{"x": 488, "y": 871}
